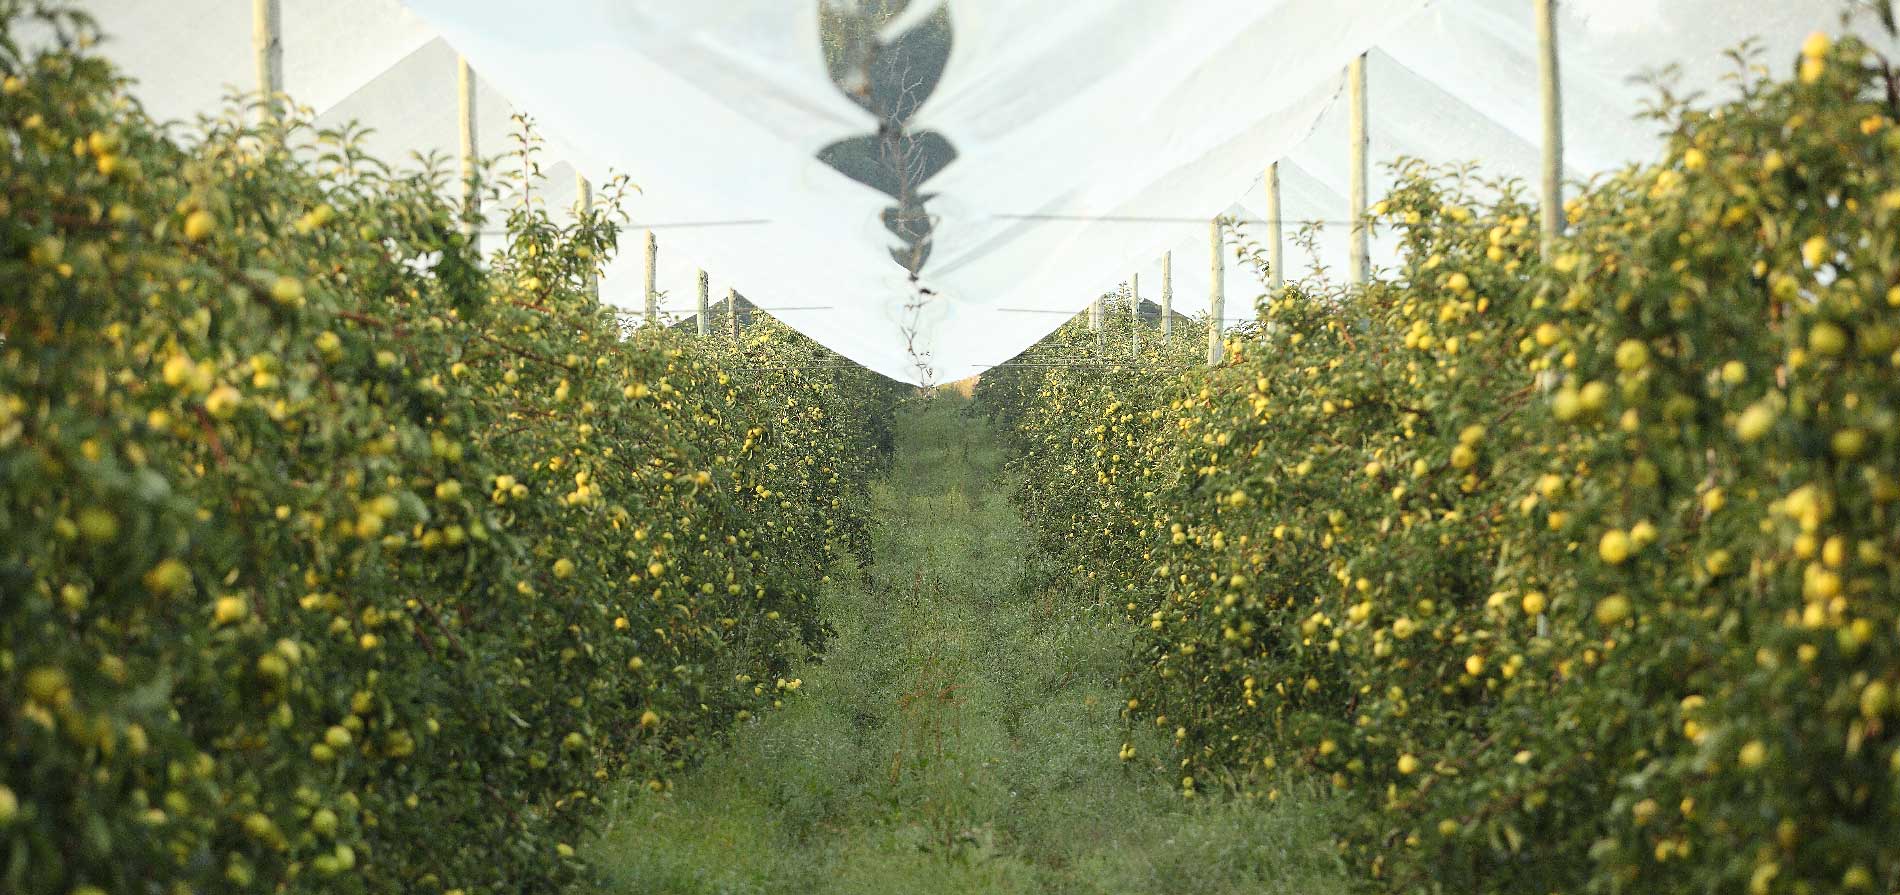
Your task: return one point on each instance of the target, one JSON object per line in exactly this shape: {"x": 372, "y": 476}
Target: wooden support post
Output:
{"x": 1360, "y": 263}
{"x": 652, "y": 280}
{"x": 732, "y": 312}
{"x": 1167, "y": 295}
{"x": 1217, "y": 295}
{"x": 1276, "y": 236}
{"x": 267, "y": 45}
{"x": 584, "y": 207}
{"x": 1134, "y": 314}
{"x": 704, "y": 326}
{"x": 1552, "y": 100}
{"x": 471, "y": 157}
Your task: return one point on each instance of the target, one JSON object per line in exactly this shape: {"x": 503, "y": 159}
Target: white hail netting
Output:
{"x": 1088, "y": 137}
{"x": 1117, "y": 108}
{"x": 371, "y": 63}
{"x": 1458, "y": 83}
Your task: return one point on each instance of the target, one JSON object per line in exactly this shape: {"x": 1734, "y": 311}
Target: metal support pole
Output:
{"x": 1167, "y": 295}
{"x": 1360, "y": 264}
{"x": 1134, "y": 314}
{"x": 1552, "y": 99}
{"x": 1276, "y": 252}
{"x": 267, "y": 45}
{"x": 471, "y": 157}
{"x": 1217, "y": 295}
{"x": 652, "y": 289}
{"x": 704, "y": 326}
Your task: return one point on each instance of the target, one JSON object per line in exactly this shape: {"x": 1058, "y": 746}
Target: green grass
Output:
{"x": 960, "y": 735}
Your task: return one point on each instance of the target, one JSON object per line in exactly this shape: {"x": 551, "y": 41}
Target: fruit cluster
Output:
{"x": 335, "y": 559}
{"x": 1577, "y": 569}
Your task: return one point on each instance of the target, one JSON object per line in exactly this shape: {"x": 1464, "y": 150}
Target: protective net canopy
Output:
{"x": 930, "y": 186}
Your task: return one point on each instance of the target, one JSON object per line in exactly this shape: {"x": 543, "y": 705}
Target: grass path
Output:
{"x": 959, "y": 736}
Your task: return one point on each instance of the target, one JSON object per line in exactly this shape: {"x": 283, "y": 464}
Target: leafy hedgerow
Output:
{"x": 332, "y": 561}
{"x": 1576, "y": 575}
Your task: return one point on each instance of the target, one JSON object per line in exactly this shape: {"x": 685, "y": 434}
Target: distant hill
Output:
{"x": 718, "y": 317}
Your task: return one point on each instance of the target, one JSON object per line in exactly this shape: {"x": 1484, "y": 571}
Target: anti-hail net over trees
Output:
{"x": 928, "y": 187}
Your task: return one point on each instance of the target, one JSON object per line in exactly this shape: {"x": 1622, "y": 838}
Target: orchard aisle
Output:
{"x": 960, "y": 736}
